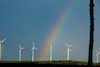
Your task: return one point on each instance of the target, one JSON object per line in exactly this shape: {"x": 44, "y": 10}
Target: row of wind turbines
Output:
{"x": 20, "y": 49}
{"x": 50, "y": 51}
{"x": 34, "y": 48}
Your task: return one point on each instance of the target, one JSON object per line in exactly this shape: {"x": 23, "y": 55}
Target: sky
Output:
{"x": 60, "y": 21}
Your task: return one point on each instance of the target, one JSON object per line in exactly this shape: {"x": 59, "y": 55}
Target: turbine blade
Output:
{"x": 23, "y": 48}
{"x": 33, "y": 43}
{"x": 31, "y": 49}
{"x": 19, "y": 46}
{"x": 3, "y": 40}
{"x": 35, "y": 48}
{"x": 70, "y": 50}
{"x": 67, "y": 45}
{"x": 71, "y": 45}
{"x": 66, "y": 51}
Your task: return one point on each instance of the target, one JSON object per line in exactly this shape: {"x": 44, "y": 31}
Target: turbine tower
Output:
{"x": 68, "y": 51}
{"x": 50, "y": 51}
{"x": 33, "y": 51}
{"x": 97, "y": 54}
{"x": 20, "y": 48}
{"x": 0, "y": 47}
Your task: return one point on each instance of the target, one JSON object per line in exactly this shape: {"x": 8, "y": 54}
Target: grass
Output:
{"x": 58, "y": 63}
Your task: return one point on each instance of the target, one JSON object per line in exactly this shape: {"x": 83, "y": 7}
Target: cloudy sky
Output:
{"x": 25, "y": 21}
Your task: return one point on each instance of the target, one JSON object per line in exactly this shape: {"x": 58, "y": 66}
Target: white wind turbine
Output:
{"x": 97, "y": 54}
{"x": 68, "y": 51}
{"x": 50, "y": 51}
{"x": 1, "y": 48}
{"x": 33, "y": 51}
{"x": 20, "y": 48}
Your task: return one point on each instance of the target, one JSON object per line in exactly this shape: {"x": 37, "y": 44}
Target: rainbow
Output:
{"x": 55, "y": 31}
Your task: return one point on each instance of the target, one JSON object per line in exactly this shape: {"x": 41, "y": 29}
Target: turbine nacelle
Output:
{"x": 34, "y": 47}
{"x": 21, "y": 47}
{"x": 97, "y": 51}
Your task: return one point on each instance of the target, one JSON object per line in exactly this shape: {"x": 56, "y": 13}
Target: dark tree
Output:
{"x": 91, "y": 33}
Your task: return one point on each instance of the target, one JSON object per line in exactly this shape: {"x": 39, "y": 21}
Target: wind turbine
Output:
{"x": 33, "y": 51}
{"x": 20, "y": 48}
{"x": 0, "y": 47}
{"x": 68, "y": 51}
{"x": 50, "y": 51}
{"x": 97, "y": 54}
